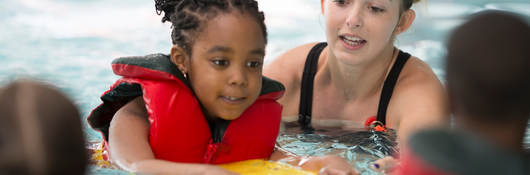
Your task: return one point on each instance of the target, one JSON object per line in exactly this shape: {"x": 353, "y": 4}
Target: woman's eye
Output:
{"x": 254, "y": 64}
{"x": 376, "y": 9}
{"x": 220, "y": 62}
{"x": 340, "y": 2}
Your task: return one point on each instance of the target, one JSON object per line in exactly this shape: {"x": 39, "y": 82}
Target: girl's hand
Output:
{"x": 215, "y": 170}
{"x": 328, "y": 165}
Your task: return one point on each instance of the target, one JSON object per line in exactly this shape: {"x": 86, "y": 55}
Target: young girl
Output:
{"x": 207, "y": 102}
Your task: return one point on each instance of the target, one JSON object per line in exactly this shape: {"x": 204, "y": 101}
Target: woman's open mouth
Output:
{"x": 352, "y": 42}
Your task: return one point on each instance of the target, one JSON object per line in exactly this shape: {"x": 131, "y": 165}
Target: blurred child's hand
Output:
{"x": 215, "y": 170}
{"x": 328, "y": 165}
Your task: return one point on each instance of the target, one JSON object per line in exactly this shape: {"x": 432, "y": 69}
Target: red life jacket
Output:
{"x": 179, "y": 131}
{"x": 414, "y": 164}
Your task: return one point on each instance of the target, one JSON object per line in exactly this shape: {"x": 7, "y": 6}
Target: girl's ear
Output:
{"x": 179, "y": 57}
{"x": 405, "y": 21}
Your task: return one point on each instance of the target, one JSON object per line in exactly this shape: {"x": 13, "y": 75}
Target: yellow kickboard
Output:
{"x": 264, "y": 167}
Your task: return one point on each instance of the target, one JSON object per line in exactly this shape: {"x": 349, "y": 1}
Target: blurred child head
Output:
{"x": 40, "y": 131}
{"x": 488, "y": 80}
{"x": 488, "y": 68}
{"x": 219, "y": 45}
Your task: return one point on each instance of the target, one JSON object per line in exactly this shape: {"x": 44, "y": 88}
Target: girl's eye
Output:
{"x": 254, "y": 64}
{"x": 220, "y": 62}
{"x": 375, "y": 9}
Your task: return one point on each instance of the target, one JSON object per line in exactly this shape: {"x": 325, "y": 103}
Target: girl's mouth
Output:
{"x": 233, "y": 100}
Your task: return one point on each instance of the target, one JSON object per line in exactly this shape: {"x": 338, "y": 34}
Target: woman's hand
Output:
{"x": 386, "y": 164}
{"x": 327, "y": 165}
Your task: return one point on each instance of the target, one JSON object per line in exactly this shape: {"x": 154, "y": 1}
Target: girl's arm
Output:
{"x": 130, "y": 149}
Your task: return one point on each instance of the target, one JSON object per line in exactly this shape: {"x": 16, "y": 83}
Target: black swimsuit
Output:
{"x": 310, "y": 69}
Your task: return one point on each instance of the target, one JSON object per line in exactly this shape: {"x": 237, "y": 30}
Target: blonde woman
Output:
{"x": 358, "y": 74}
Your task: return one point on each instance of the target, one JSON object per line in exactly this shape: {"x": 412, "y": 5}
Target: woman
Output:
{"x": 353, "y": 76}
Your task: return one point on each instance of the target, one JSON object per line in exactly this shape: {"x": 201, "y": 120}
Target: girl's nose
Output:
{"x": 238, "y": 77}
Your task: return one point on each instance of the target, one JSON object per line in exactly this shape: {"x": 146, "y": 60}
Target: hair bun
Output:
{"x": 166, "y": 6}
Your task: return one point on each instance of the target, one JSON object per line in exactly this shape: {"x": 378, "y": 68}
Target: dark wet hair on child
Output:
{"x": 40, "y": 131}
{"x": 488, "y": 67}
{"x": 189, "y": 16}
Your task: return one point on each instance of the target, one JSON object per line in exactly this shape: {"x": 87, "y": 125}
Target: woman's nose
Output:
{"x": 355, "y": 16}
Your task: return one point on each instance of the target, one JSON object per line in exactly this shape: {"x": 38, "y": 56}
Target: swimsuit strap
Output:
{"x": 389, "y": 84}
{"x": 308, "y": 76}
{"x": 306, "y": 90}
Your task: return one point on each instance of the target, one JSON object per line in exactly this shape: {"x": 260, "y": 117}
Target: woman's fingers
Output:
{"x": 385, "y": 164}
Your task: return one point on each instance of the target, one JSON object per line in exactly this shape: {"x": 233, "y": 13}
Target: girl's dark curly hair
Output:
{"x": 188, "y": 16}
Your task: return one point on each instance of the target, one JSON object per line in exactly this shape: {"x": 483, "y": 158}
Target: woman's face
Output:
{"x": 357, "y": 30}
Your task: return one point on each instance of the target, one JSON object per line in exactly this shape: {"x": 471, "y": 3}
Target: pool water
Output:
{"x": 71, "y": 43}
{"x": 359, "y": 146}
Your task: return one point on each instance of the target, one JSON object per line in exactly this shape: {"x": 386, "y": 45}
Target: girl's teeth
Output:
{"x": 232, "y": 98}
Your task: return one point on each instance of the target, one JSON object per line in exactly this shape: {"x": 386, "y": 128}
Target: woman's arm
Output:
{"x": 419, "y": 102}
{"x": 129, "y": 145}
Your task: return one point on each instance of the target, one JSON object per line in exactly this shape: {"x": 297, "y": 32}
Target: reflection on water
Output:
{"x": 359, "y": 146}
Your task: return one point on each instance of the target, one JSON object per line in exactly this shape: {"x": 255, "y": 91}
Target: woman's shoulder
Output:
{"x": 295, "y": 56}
{"x": 418, "y": 73}
{"x": 419, "y": 83}
{"x": 419, "y": 99}
{"x": 288, "y": 67}
{"x": 417, "y": 86}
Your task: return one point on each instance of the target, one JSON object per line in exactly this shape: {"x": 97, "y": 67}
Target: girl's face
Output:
{"x": 226, "y": 64}
{"x": 360, "y": 29}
